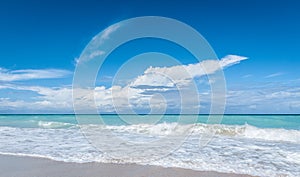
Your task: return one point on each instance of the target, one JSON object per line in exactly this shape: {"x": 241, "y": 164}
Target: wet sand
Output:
{"x": 20, "y": 166}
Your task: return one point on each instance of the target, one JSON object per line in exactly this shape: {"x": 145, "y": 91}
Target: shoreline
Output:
{"x": 24, "y": 166}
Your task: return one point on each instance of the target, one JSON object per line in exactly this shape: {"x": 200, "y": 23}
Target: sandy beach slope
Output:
{"x": 16, "y": 166}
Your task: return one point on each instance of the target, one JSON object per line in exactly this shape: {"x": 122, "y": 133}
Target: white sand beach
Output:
{"x": 20, "y": 166}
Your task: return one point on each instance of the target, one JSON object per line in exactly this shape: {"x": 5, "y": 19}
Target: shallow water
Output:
{"x": 262, "y": 145}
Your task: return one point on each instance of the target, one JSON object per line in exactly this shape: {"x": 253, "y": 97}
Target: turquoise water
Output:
{"x": 261, "y": 121}
{"x": 258, "y": 145}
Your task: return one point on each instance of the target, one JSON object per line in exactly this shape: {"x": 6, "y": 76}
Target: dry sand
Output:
{"x": 17, "y": 166}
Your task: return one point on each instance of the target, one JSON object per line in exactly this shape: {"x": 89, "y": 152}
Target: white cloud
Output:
{"x": 158, "y": 81}
{"x": 182, "y": 74}
{"x": 162, "y": 80}
{"x": 96, "y": 53}
{"x": 267, "y": 98}
{"x": 262, "y": 98}
{"x": 252, "y": 106}
{"x": 283, "y": 94}
{"x": 97, "y": 41}
{"x": 106, "y": 33}
{"x": 50, "y": 99}
{"x": 28, "y": 74}
{"x": 247, "y": 76}
{"x": 92, "y": 55}
{"x": 274, "y": 75}
{"x": 231, "y": 60}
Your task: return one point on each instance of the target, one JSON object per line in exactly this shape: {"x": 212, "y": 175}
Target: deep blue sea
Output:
{"x": 260, "y": 145}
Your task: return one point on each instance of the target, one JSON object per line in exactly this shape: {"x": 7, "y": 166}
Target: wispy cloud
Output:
{"x": 97, "y": 40}
{"x": 89, "y": 57}
{"x": 268, "y": 97}
{"x": 29, "y": 74}
{"x": 106, "y": 33}
{"x": 231, "y": 60}
{"x": 274, "y": 75}
{"x": 247, "y": 76}
{"x": 96, "y": 54}
{"x": 182, "y": 74}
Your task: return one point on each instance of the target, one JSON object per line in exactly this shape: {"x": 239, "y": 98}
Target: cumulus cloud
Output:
{"x": 44, "y": 99}
{"x": 123, "y": 99}
{"x": 59, "y": 94}
{"x": 29, "y": 74}
{"x": 60, "y": 98}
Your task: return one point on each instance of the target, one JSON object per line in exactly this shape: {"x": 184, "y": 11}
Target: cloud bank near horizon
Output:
{"x": 20, "y": 98}
{"x": 139, "y": 92}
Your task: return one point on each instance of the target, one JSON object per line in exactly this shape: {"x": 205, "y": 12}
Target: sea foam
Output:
{"x": 234, "y": 148}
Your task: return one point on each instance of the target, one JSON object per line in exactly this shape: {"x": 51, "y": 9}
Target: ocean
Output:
{"x": 259, "y": 145}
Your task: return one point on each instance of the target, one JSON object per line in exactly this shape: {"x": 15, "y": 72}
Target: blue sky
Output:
{"x": 40, "y": 42}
